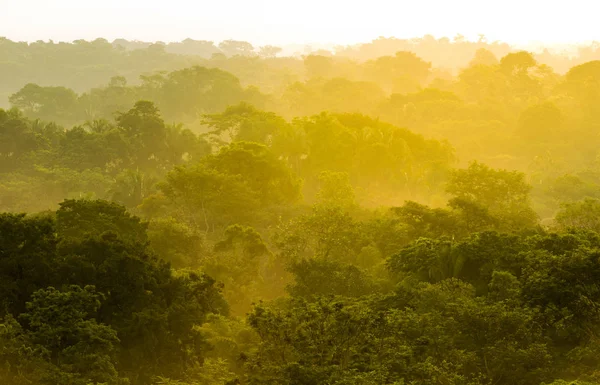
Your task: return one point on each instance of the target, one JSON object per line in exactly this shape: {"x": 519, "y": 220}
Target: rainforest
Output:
{"x": 404, "y": 211}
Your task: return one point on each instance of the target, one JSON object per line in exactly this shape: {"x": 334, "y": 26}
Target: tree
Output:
{"x": 541, "y": 122}
{"x": 244, "y": 122}
{"x": 317, "y": 277}
{"x": 269, "y": 51}
{"x": 189, "y": 93}
{"x": 176, "y": 242}
{"x": 327, "y": 232}
{"x": 337, "y": 95}
{"x": 430, "y": 260}
{"x": 188, "y": 46}
{"x": 517, "y": 63}
{"x": 268, "y": 177}
{"x": 146, "y": 131}
{"x": 336, "y": 190}
{"x": 316, "y": 342}
{"x": 580, "y": 215}
{"x": 548, "y": 283}
{"x": 96, "y": 145}
{"x": 27, "y": 252}
{"x": 403, "y": 67}
{"x": 62, "y": 323}
{"x": 243, "y": 262}
{"x": 484, "y": 57}
{"x": 472, "y": 260}
{"x": 422, "y": 221}
{"x": 387, "y": 162}
{"x": 318, "y": 66}
{"x": 17, "y": 140}
{"x": 49, "y": 103}
{"x": 130, "y": 188}
{"x": 206, "y": 198}
{"x": 152, "y": 309}
{"x": 504, "y": 193}
{"x": 20, "y": 362}
{"x": 583, "y": 84}
{"x": 78, "y": 219}
{"x": 483, "y": 84}
{"x": 236, "y": 47}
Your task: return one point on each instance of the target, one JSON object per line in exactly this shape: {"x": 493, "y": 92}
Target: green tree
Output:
{"x": 77, "y": 219}
{"x": 320, "y": 277}
{"x": 27, "y": 251}
{"x": 146, "y": 132}
{"x": 580, "y": 215}
{"x": 244, "y": 122}
{"x": 49, "y": 103}
{"x": 504, "y": 193}
{"x": 336, "y": 190}
{"x": 243, "y": 262}
{"x": 269, "y": 178}
{"x": 17, "y": 140}
{"x": 175, "y": 242}
{"x": 63, "y": 324}
{"x": 207, "y": 198}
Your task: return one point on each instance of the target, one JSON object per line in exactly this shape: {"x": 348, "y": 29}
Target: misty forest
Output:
{"x": 422, "y": 211}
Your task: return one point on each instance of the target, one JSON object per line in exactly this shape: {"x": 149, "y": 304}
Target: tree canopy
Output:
{"x": 416, "y": 211}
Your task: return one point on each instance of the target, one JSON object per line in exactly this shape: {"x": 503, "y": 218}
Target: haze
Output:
{"x": 310, "y": 21}
{"x": 308, "y": 193}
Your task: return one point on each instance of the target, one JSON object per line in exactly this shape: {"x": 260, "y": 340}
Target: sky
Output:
{"x": 519, "y": 22}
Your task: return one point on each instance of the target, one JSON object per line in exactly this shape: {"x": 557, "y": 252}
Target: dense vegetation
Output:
{"x": 235, "y": 217}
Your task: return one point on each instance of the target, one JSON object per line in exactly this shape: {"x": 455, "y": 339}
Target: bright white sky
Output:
{"x": 303, "y": 21}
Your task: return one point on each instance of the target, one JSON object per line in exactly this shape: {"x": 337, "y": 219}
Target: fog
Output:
{"x": 310, "y": 193}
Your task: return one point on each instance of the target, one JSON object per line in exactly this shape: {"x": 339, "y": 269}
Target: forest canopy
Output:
{"x": 419, "y": 211}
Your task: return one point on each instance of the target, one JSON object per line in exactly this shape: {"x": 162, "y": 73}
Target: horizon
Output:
{"x": 269, "y": 22}
{"x": 533, "y": 46}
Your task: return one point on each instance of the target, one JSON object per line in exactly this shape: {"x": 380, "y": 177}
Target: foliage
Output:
{"x": 198, "y": 213}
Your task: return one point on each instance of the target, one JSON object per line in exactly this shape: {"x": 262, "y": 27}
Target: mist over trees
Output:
{"x": 419, "y": 211}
